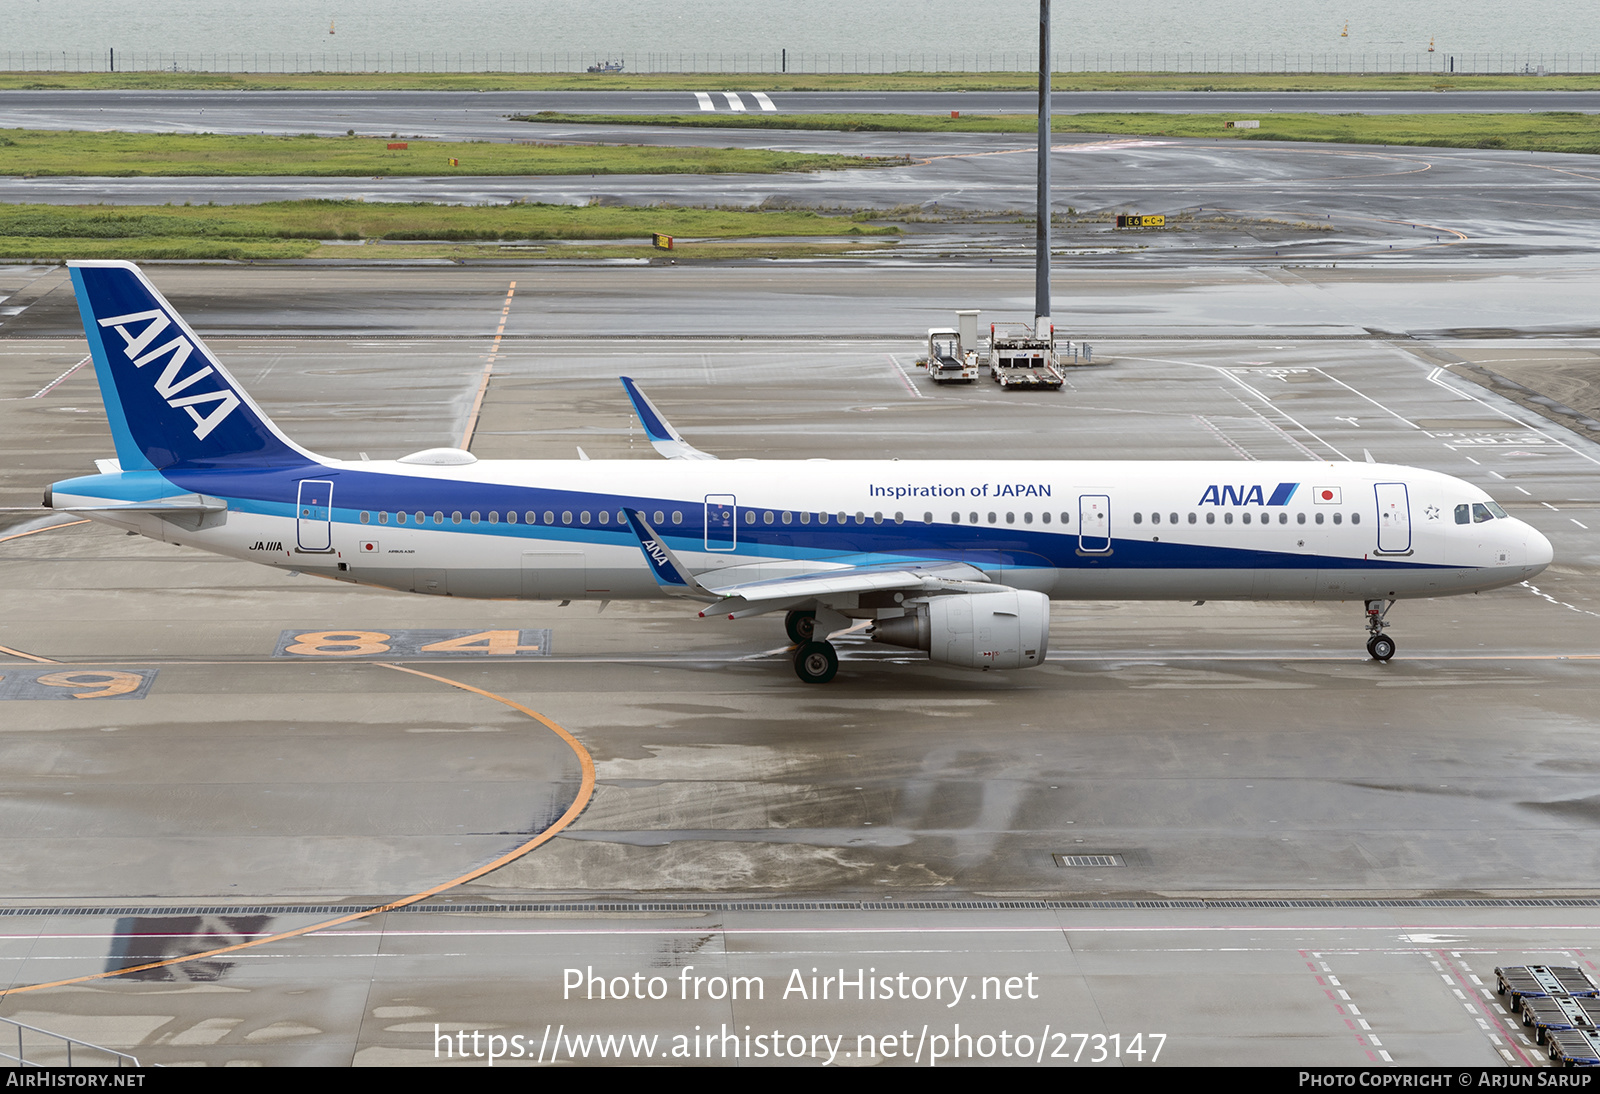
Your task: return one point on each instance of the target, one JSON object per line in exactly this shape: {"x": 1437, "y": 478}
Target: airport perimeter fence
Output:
{"x": 1437, "y": 63}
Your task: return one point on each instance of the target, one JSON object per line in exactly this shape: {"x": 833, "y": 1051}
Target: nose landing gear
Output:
{"x": 1379, "y": 646}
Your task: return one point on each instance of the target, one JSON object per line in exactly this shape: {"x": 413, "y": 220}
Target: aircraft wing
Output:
{"x": 663, "y": 438}
{"x": 775, "y": 594}
{"x": 931, "y": 577}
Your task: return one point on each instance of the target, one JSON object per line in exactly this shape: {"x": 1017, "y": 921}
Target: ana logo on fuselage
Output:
{"x": 1248, "y": 495}
{"x": 168, "y": 384}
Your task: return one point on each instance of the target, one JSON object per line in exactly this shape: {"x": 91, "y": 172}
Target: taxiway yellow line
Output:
{"x": 579, "y": 804}
{"x": 51, "y": 528}
{"x": 488, "y": 370}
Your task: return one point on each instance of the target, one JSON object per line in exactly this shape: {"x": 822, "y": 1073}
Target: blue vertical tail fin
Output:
{"x": 169, "y": 400}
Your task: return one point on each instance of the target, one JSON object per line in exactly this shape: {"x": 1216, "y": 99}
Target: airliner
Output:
{"x": 959, "y": 559}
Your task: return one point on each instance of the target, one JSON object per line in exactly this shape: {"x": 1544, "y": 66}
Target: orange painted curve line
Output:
{"x": 579, "y": 804}
{"x": 51, "y": 528}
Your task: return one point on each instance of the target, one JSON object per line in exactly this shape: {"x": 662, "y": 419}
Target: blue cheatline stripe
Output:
{"x": 1283, "y": 493}
{"x": 272, "y": 492}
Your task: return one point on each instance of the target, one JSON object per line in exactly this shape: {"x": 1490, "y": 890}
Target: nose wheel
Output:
{"x": 1380, "y": 647}
{"x": 816, "y": 662}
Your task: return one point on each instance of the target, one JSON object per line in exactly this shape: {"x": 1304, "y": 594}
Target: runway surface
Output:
{"x": 1243, "y": 769}
{"x": 960, "y": 197}
{"x": 481, "y": 115}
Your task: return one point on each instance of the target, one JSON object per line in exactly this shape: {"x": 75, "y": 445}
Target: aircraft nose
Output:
{"x": 1540, "y": 552}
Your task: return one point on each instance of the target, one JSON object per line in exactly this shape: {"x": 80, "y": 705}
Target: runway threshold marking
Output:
{"x": 579, "y": 803}
{"x": 488, "y": 370}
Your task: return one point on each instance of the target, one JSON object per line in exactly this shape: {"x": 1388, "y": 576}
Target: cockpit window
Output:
{"x": 1478, "y": 512}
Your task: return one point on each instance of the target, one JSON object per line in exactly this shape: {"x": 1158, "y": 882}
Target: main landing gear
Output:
{"x": 816, "y": 662}
{"x": 1380, "y": 646}
{"x": 802, "y": 627}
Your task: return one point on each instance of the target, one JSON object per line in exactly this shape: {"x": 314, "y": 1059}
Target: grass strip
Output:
{"x": 39, "y": 153}
{"x": 293, "y": 229}
{"x": 889, "y": 81}
{"x": 1556, "y": 131}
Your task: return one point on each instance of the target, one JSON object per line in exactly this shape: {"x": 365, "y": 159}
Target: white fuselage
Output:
{"x": 1070, "y": 530}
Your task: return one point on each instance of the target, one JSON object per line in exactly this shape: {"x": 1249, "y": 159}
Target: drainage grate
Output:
{"x": 1089, "y": 860}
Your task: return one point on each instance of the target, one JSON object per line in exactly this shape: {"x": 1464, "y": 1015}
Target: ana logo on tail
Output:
{"x": 168, "y": 384}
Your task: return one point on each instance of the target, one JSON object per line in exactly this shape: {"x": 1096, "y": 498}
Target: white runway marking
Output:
{"x": 734, "y": 102}
{"x": 704, "y": 100}
{"x": 762, "y": 101}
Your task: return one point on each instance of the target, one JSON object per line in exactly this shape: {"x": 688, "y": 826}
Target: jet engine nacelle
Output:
{"x": 1006, "y": 629}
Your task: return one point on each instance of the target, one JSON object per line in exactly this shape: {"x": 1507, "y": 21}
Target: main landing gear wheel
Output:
{"x": 802, "y": 626}
{"x": 1381, "y": 647}
{"x": 816, "y": 663}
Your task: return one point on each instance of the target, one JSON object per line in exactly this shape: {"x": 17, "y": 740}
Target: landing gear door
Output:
{"x": 314, "y": 515}
{"x": 722, "y": 532}
{"x": 1094, "y": 523}
{"x": 1394, "y": 518}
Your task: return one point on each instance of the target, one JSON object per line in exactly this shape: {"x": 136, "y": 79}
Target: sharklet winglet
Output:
{"x": 669, "y": 572}
{"x": 663, "y": 438}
